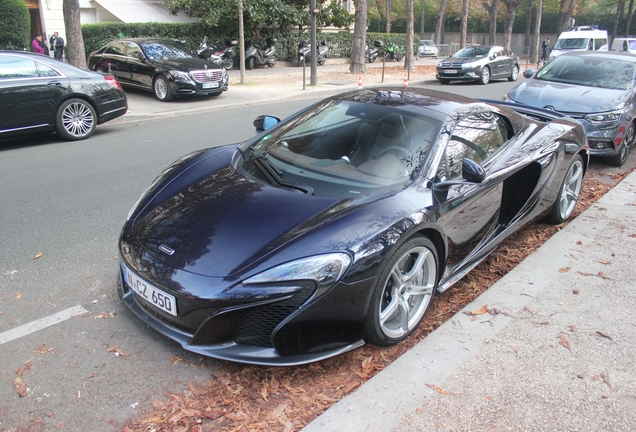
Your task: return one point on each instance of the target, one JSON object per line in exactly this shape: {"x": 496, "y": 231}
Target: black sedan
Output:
{"x": 165, "y": 67}
{"x": 336, "y": 226}
{"x": 479, "y": 63}
{"x": 598, "y": 88}
{"x": 39, "y": 94}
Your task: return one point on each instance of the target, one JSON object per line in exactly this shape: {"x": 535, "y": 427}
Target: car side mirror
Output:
{"x": 528, "y": 73}
{"x": 472, "y": 171}
{"x": 141, "y": 57}
{"x": 264, "y": 122}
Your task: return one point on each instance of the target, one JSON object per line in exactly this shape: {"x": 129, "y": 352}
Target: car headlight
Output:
{"x": 180, "y": 76}
{"x": 325, "y": 270}
{"x": 606, "y": 119}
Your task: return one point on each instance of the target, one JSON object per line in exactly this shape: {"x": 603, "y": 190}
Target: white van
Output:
{"x": 624, "y": 44}
{"x": 581, "y": 38}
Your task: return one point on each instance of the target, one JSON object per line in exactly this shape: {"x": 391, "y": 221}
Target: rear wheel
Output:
{"x": 568, "y": 196}
{"x": 271, "y": 62}
{"x": 250, "y": 63}
{"x": 403, "y": 292}
{"x": 75, "y": 120}
{"x": 162, "y": 89}
{"x": 621, "y": 157}
{"x": 228, "y": 63}
{"x": 515, "y": 73}
{"x": 484, "y": 76}
{"x": 443, "y": 81}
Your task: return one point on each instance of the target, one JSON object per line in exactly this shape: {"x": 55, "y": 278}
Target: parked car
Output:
{"x": 624, "y": 44}
{"x": 479, "y": 63}
{"x": 427, "y": 48}
{"x": 580, "y": 38}
{"x": 336, "y": 226}
{"x": 41, "y": 94}
{"x": 595, "y": 87}
{"x": 165, "y": 67}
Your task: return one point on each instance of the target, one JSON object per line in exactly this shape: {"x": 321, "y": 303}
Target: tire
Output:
{"x": 403, "y": 292}
{"x": 569, "y": 192}
{"x": 484, "y": 76}
{"x": 398, "y": 57}
{"x": 250, "y": 63}
{"x": 228, "y": 63}
{"x": 75, "y": 120}
{"x": 619, "y": 159}
{"x": 271, "y": 62}
{"x": 161, "y": 88}
{"x": 372, "y": 58}
{"x": 515, "y": 73}
{"x": 443, "y": 81}
{"x": 321, "y": 62}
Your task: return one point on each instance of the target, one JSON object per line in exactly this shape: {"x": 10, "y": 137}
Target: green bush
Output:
{"x": 16, "y": 24}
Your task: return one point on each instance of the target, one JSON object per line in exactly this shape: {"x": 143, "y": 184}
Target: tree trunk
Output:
{"x": 511, "y": 9}
{"x": 492, "y": 12}
{"x": 440, "y": 21}
{"x": 388, "y": 16}
{"x": 620, "y": 8}
{"x": 358, "y": 64}
{"x": 464, "y": 24}
{"x": 74, "y": 40}
{"x": 630, "y": 14}
{"x": 422, "y": 36}
{"x": 526, "y": 40}
{"x": 537, "y": 32}
{"x": 410, "y": 30}
{"x": 565, "y": 25}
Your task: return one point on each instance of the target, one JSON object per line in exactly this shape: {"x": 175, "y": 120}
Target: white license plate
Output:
{"x": 450, "y": 71}
{"x": 210, "y": 85}
{"x": 153, "y": 295}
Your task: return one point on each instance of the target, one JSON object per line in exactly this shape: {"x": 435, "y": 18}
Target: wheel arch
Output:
{"x": 439, "y": 242}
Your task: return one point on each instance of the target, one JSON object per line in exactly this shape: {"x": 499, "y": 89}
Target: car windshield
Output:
{"x": 165, "y": 51}
{"x": 474, "y": 51}
{"x": 590, "y": 71}
{"x": 576, "y": 43}
{"x": 344, "y": 148}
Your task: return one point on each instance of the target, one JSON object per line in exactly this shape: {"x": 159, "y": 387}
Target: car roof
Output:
{"x": 615, "y": 55}
{"x": 67, "y": 68}
{"x": 147, "y": 40}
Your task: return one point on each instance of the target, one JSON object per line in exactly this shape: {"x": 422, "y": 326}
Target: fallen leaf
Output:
{"x": 575, "y": 291}
{"x": 603, "y": 276}
{"x": 579, "y": 242}
{"x": 438, "y": 390}
{"x": 564, "y": 269}
{"x": 175, "y": 360}
{"x": 480, "y": 311}
{"x": 18, "y": 296}
{"x": 37, "y": 255}
{"x": 564, "y": 341}
{"x": 352, "y": 385}
{"x": 20, "y": 387}
{"x": 117, "y": 351}
{"x": 606, "y": 380}
{"x": 604, "y": 261}
{"x": 585, "y": 274}
{"x": 607, "y": 335}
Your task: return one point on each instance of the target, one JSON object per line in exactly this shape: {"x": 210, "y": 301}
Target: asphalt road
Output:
{"x": 63, "y": 204}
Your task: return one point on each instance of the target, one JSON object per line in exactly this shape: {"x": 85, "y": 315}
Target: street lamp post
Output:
{"x": 313, "y": 79}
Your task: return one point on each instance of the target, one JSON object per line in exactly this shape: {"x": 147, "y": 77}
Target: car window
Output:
{"x": 17, "y": 67}
{"x": 474, "y": 51}
{"x": 590, "y": 72}
{"x": 632, "y": 44}
{"x": 132, "y": 49}
{"x": 116, "y": 48}
{"x": 599, "y": 43}
{"x": 576, "y": 43}
{"x": 477, "y": 136}
{"x": 47, "y": 71}
{"x": 165, "y": 51}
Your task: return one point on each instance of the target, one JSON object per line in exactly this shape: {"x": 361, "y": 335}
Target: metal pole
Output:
{"x": 241, "y": 42}
{"x": 313, "y": 79}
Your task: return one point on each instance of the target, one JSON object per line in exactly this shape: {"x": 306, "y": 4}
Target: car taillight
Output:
{"x": 110, "y": 79}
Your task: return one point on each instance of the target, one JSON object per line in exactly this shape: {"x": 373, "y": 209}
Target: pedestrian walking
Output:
{"x": 57, "y": 45}
{"x": 545, "y": 47}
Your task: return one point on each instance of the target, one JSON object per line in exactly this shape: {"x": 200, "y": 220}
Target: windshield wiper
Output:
{"x": 273, "y": 174}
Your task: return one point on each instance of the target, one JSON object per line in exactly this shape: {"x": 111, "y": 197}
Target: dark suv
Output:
{"x": 165, "y": 67}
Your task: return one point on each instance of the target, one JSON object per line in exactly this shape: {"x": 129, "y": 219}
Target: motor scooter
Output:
{"x": 227, "y": 53}
{"x": 254, "y": 56}
{"x": 371, "y": 53}
{"x": 305, "y": 52}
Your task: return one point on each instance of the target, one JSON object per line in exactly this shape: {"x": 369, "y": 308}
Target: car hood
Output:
{"x": 225, "y": 221}
{"x": 463, "y": 60}
{"x": 185, "y": 64}
{"x": 568, "y": 98}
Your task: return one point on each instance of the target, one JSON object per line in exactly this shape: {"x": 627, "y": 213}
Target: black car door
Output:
{"x": 501, "y": 62}
{"x": 30, "y": 91}
{"x": 141, "y": 71}
{"x": 114, "y": 54}
{"x": 469, "y": 211}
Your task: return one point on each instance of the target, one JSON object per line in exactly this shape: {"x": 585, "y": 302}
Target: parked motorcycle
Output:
{"x": 226, "y": 54}
{"x": 371, "y": 53}
{"x": 305, "y": 52}
{"x": 394, "y": 52}
{"x": 254, "y": 56}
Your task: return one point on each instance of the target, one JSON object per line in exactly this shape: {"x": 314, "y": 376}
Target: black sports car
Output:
{"x": 39, "y": 94}
{"x": 336, "y": 226}
{"x": 165, "y": 67}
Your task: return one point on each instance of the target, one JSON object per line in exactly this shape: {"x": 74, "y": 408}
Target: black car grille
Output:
{"x": 258, "y": 325}
{"x": 204, "y": 76}
{"x": 451, "y": 65}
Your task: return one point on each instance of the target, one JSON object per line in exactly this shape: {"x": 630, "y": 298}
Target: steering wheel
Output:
{"x": 398, "y": 148}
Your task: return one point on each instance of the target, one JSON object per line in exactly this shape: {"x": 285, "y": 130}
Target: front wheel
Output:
{"x": 515, "y": 73}
{"x": 250, "y": 63}
{"x": 162, "y": 89}
{"x": 271, "y": 62}
{"x": 484, "y": 76}
{"x": 403, "y": 292}
{"x": 228, "y": 63}
{"x": 443, "y": 81}
{"x": 619, "y": 159}
{"x": 569, "y": 192}
{"x": 75, "y": 120}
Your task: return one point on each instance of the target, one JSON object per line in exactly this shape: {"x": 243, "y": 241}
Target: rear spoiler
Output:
{"x": 537, "y": 113}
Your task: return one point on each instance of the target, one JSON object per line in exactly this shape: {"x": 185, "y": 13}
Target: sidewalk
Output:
{"x": 556, "y": 352}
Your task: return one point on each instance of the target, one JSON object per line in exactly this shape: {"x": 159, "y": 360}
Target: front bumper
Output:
{"x": 193, "y": 87}
{"x": 458, "y": 74}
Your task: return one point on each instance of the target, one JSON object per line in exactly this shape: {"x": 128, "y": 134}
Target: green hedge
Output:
{"x": 340, "y": 43}
{"x": 16, "y": 25}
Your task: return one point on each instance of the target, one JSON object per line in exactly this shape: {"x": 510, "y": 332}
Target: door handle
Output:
{"x": 54, "y": 83}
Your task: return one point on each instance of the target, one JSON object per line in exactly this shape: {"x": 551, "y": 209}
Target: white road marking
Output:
{"x": 41, "y": 323}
